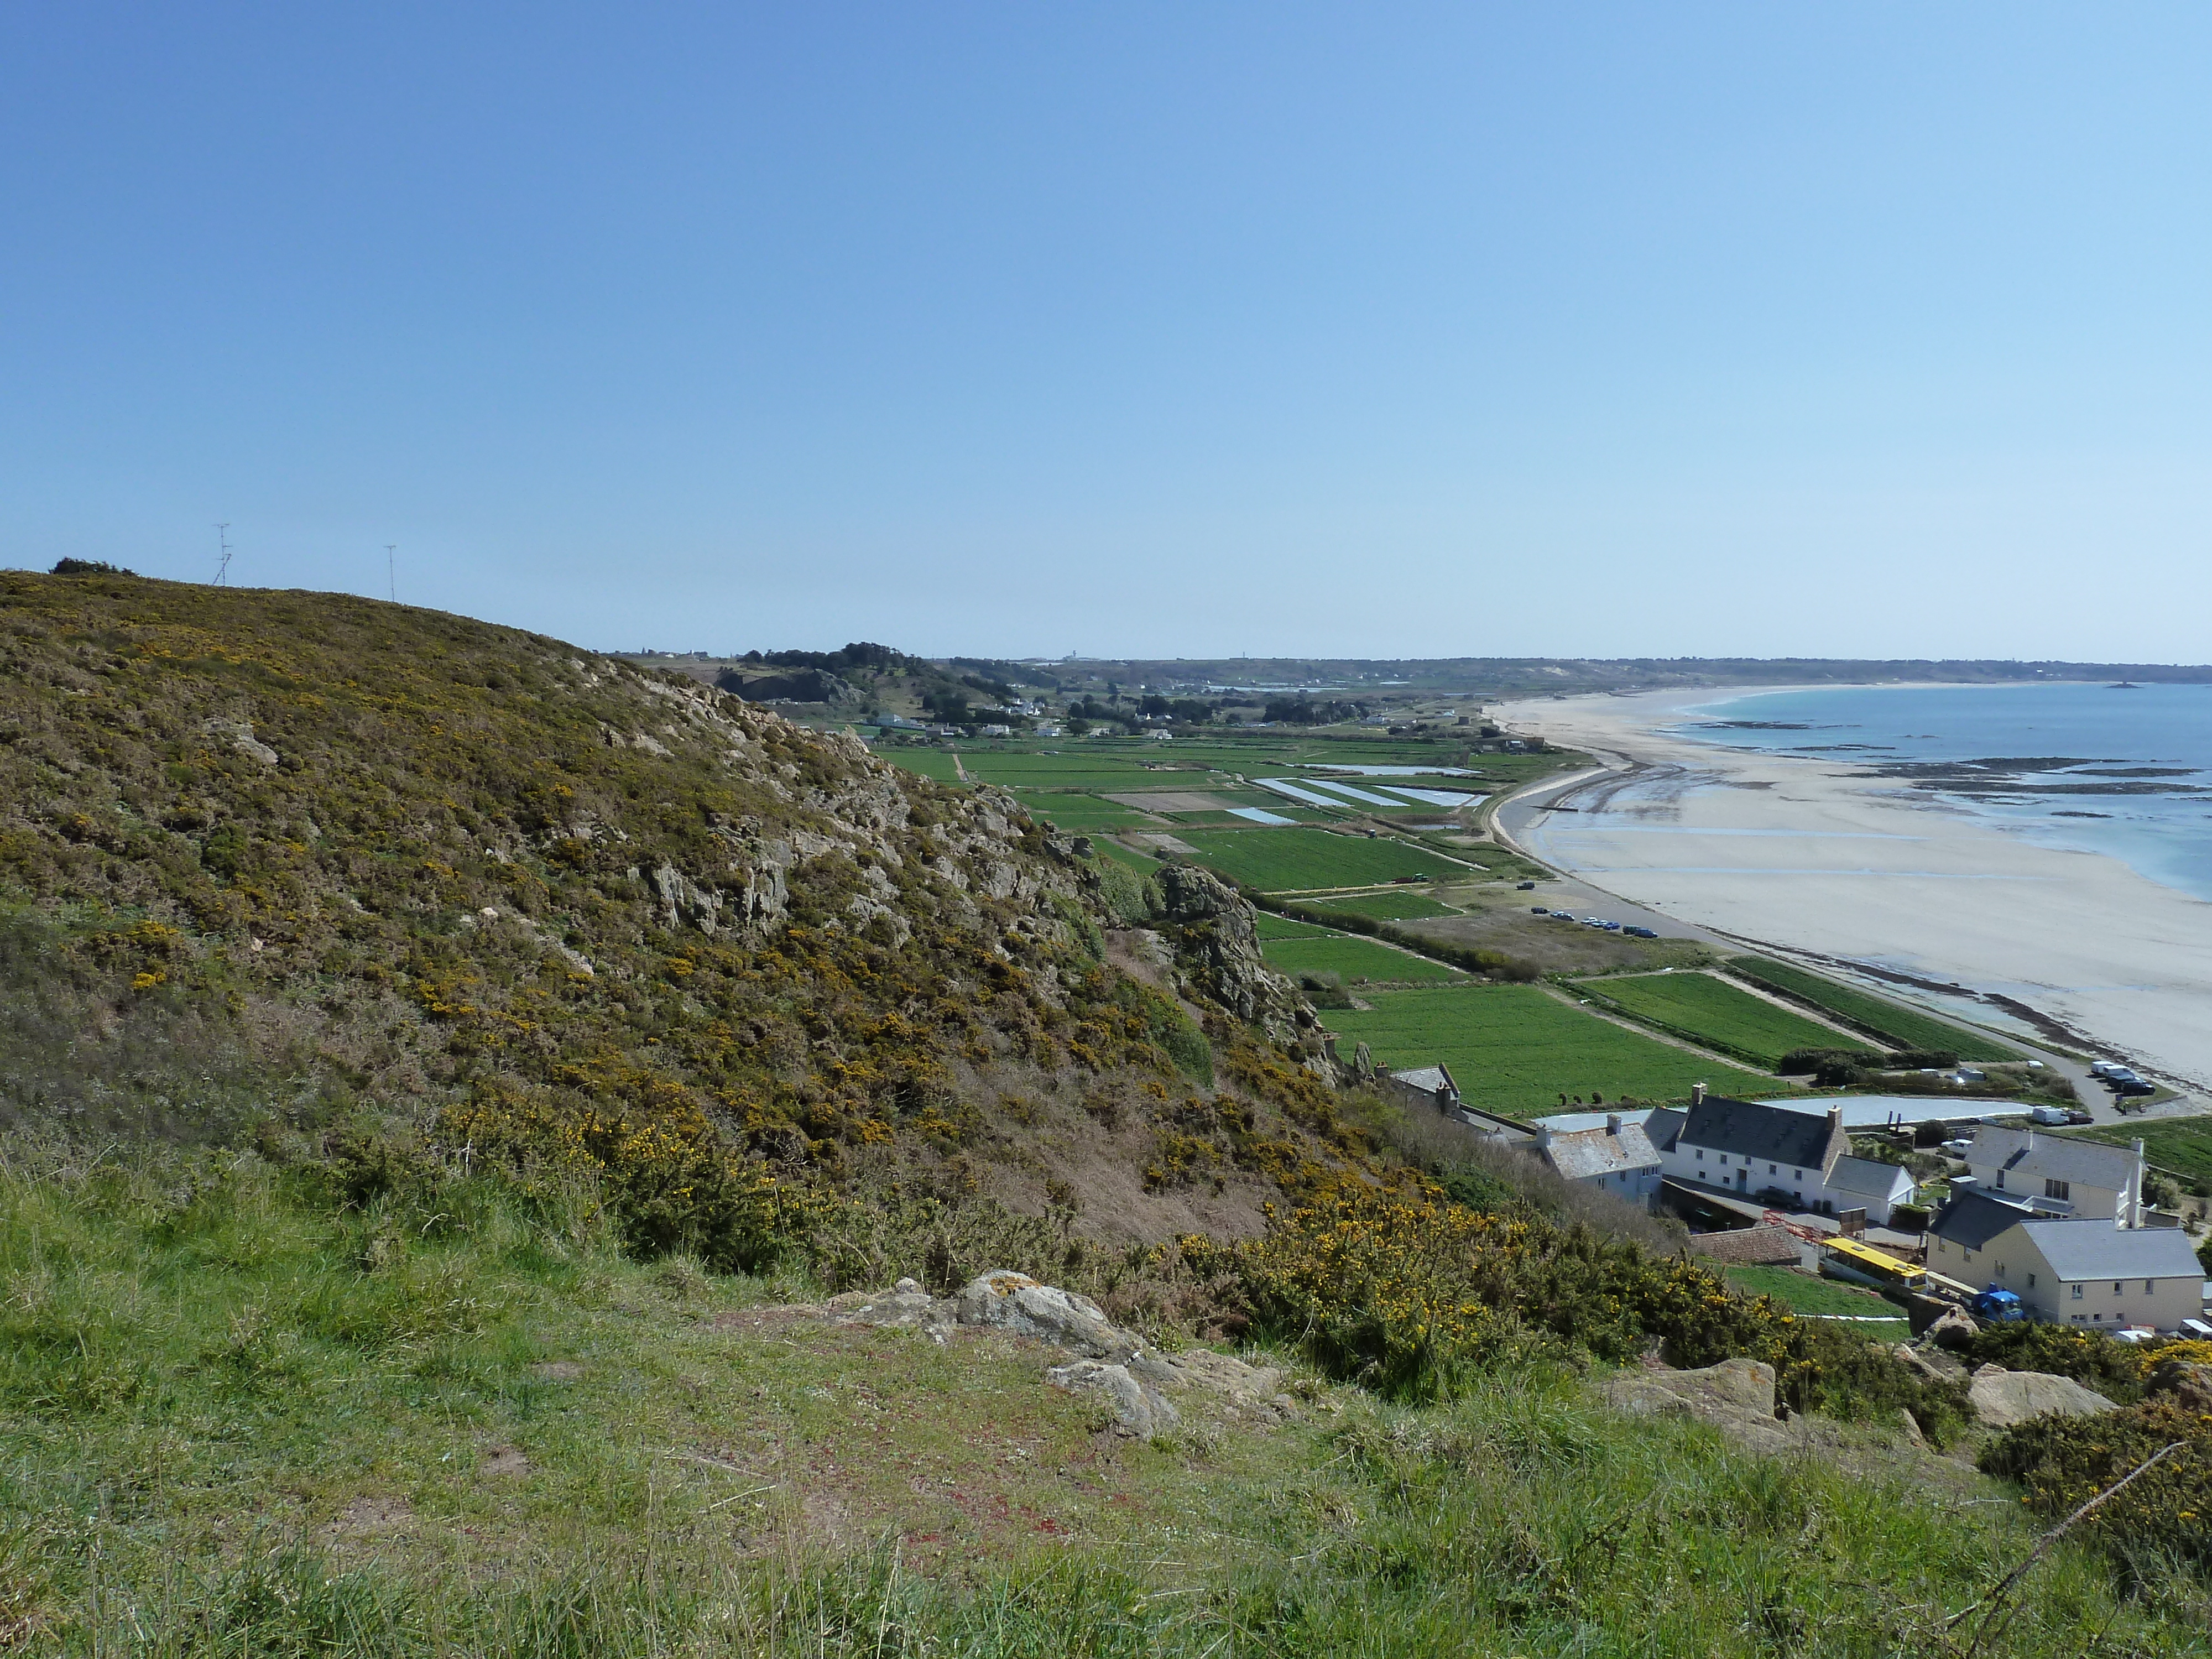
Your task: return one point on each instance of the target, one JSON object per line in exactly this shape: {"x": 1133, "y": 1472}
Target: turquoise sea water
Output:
{"x": 2126, "y": 773}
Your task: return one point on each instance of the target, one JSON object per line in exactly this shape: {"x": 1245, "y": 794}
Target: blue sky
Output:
{"x": 1143, "y": 329}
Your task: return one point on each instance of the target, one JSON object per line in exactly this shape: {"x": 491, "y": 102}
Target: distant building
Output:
{"x": 1619, "y": 1159}
{"x": 2073, "y": 1272}
{"x": 996, "y": 731}
{"x": 1160, "y": 737}
{"x": 1790, "y": 1159}
{"x": 2059, "y": 1175}
{"x": 1430, "y": 1085}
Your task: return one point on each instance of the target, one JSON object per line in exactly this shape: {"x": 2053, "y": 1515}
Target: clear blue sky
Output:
{"x": 1862, "y": 330}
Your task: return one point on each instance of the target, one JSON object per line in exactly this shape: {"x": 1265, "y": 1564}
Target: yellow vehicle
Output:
{"x": 1846, "y": 1258}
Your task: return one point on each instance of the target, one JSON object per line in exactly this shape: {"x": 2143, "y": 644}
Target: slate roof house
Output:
{"x": 1794, "y": 1160}
{"x": 1618, "y": 1159}
{"x": 2079, "y": 1271}
{"x": 2060, "y": 1175}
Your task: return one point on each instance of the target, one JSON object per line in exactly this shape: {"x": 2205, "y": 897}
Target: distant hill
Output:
{"x": 269, "y": 860}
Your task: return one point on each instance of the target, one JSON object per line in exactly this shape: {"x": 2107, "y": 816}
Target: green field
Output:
{"x": 1077, "y": 813}
{"x": 1393, "y": 906}
{"x": 929, "y": 763}
{"x": 1300, "y": 861}
{"x": 1808, "y": 1294}
{"x": 1708, "y": 1010}
{"x": 2183, "y": 1144}
{"x": 1354, "y": 959}
{"x": 1516, "y": 1049}
{"x": 1902, "y": 1027}
{"x": 1275, "y": 926}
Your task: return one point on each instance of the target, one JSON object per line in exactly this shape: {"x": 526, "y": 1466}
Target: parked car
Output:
{"x": 2128, "y": 1086}
{"x": 1639, "y": 932}
{"x": 1539, "y": 910}
{"x": 2076, "y": 1115}
{"x": 2049, "y": 1114}
{"x": 1525, "y": 886}
{"x": 1610, "y": 927}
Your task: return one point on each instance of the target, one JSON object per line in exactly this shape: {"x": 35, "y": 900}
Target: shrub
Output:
{"x": 1420, "y": 1298}
{"x": 2063, "y": 1462}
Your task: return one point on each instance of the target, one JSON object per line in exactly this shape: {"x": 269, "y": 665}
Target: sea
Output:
{"x": 2125, "y": 770}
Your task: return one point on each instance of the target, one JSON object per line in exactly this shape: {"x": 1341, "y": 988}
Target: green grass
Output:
{"x": 1394, "y": 907}
{"x": 1710, "y": 1010}
{"x": 1902, "y": 1028}
{"x": 1273, "y": 927}
{"x": 1355, "y": 960}
{"x": 1516, "y": 1049}
{"x": 1077, "y": 813}
{"x": 2183, "y": 1144}
{"x": 923, "y": 763}
{"x": 239, "y": 1422}
{"x": 1298, "y": 861}
{"x": 1808, "y": 1294}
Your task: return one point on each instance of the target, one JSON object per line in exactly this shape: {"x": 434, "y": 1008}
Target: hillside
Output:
{"x": 271, "y": 860}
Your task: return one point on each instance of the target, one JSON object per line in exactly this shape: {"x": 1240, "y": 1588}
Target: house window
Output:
{"x": 1701, "y": 1155}
{"x": 2075, "y": 1290}
{"x": 2115, "y": 1287}
{"x": 2031, "y": 1281}
{"x": 1771, "y": 1169}
{"x": 2149, "y": 1289}
{"x": 2058, "y": 1190}
{"x": 1796, "y": 1175}
{"x": 2000, "y": 1180}
{"x": 1968, "y": 1254}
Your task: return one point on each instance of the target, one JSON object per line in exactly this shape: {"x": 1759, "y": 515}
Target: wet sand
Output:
{"x": 1796, "y": 852}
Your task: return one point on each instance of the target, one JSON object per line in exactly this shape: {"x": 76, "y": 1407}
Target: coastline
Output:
{"x": 1792, "y": 851}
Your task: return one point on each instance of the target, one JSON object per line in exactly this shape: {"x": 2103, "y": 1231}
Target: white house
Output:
{"x": 1794, "y": 1160}
{"x": 1619, "y": 1159}
{"x": 2078, "y": 1271}
{"x": 2060, "y": 1175}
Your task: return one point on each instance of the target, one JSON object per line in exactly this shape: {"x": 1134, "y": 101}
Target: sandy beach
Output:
{"x": 1797, "y": 853}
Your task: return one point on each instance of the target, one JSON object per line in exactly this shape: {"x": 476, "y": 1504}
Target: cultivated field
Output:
{"x": 928, "y": 763}
{"x": 1393, "y": 906}
{"x": 1298, "y": 860}
{"x": 1078, "y": 813}
{"x": 1516, "y": 1049}
{"x": 1708, "y": 1010}
{"x": 1902, "y": 1028}
{"x": 1354, "y": 959}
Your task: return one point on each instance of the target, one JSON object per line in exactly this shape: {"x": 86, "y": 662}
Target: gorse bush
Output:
{"x": 1419, "y": 1299}
{"x": 2114, "y": 1369}
{"x": 2063, "y": 1462}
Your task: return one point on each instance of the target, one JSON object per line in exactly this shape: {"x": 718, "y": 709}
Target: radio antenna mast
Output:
{"x": 390, "y": 576}
{"x": 223, "y": 540}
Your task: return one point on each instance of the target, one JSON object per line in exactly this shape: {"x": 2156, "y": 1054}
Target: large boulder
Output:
{"x": 2190, "y": 1385}
{"x": 2001, "y": 1398}
{"x": 1733, "y": 1386}
{"x": 1954, "y": 1328}
{"x": 1932, "y": 1364}
{"x": 1139, "y": 1408}
{"x": 1016, "y": 1303}
{"x": 906, "y": 1306}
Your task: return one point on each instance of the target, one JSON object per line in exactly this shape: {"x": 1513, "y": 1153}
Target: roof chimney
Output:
{"x": 1696, "y": 1094}
{"x": 1613, "y": 1123}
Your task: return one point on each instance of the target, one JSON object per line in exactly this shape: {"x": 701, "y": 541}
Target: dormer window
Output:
{"x": 2058, "y": 1189}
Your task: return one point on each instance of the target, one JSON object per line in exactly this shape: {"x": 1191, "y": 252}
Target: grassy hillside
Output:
{"x": 243, "y": 1418}
{"x": 272, "y": 859}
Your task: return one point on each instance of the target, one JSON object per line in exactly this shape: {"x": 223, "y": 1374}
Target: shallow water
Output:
{"x": 1936, "y": 741}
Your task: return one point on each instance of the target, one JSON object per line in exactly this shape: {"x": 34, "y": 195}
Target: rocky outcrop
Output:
{"x": 2001, "y": 1398}
{"x": 1933, "y": 1364}
{"x": 1732, "y": 1389}
{"x": 1954, "y": 1328}
{"x": 1117, "y": 1364}
{"x": 2188, "y": 1385}
{"x": 1217, "y": 942}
